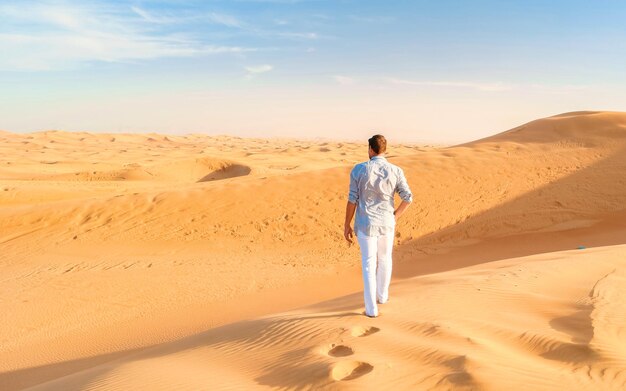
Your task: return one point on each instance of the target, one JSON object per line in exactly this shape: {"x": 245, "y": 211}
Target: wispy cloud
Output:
{"x": 211, "y": 17}
{"x": 224, "y": 20}
{"x": 297, "y": 35}
{"x": 561, "y": 89}
{"x": 149, "y": 17}
{"x": 281, "y": 22}
{"x": 65, "y": 51}
{"x": 257, "y": 70}
{"x": 493, "y": 87}
{"x": 53, "y": 35}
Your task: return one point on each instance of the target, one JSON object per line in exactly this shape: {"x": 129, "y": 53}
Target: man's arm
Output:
{"x": 353, "y": 196}
{"x": 402, "y": 188}
{"x": 348, "y": 233}
{"x": 401, "y": 208}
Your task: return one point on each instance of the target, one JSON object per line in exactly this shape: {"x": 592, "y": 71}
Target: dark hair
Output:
{"x": 378, "y": 143}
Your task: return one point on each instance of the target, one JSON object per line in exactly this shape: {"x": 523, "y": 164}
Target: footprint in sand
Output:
{"x": 362, "y": 331}
{"x": 340, "y": 351}
{"x": 348, "y": 370}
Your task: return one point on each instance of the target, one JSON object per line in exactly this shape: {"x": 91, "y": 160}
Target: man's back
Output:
{"x": 372, "y": 187}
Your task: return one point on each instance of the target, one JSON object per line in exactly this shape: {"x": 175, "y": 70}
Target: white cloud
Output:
{"x": 294, "y": 35}
{"x": 344, "y": 80}
{"x": 48, "y": 36}
{"x": 149, "y": 17}
{"x": 259, "y": 69}
{"x": 493, "y": 87}
{"x": 256, "y": 69}
{"x": 212, "y": 17}
{"x": 560, "y": 89}
{"x": 291, "y": 35}
{"x": 35, "y": 52}
{"x": 225, "y": 20}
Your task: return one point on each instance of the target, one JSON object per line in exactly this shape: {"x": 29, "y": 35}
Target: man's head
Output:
{"x": 377, "y": 144}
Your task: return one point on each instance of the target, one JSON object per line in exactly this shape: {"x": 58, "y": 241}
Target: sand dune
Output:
{"x": 520, "y": 329}
{"x": 194, "y": 170}
{"x": 113, "y": 244}
{"x": 584, "y": 128}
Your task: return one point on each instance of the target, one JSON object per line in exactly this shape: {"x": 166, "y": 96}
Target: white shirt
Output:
{"x": 372, "y": 188}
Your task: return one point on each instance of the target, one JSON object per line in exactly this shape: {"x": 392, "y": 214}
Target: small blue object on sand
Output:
{"x": 581, "y": 247}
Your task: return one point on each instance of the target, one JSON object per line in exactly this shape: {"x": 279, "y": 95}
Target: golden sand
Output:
{"x": 159, "y": 262}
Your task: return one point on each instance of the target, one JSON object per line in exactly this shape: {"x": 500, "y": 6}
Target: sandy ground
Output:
{"x": 148, "y": 261}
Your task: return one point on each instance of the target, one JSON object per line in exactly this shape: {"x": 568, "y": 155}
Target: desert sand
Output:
{"x": 159, "y": 262}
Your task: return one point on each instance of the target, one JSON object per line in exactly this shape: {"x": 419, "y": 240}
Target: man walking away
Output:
{"x": 372, "y": 187}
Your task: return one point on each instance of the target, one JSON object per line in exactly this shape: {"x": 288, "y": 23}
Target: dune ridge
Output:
{"x": 191, "y": 170}
{"x": 167, "y": 257}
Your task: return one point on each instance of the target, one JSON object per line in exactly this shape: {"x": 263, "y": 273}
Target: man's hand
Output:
{"x": 398, "y": 212}
{"x": 348, "y": 233}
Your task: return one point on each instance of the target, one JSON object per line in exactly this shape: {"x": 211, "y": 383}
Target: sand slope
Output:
{"x": 113, "y": 243}
{"x": 550, "y": 321}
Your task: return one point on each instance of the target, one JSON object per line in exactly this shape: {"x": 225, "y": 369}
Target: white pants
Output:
{"x": 376, "y": 265}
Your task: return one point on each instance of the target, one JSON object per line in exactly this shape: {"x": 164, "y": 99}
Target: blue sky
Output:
{"x": 440, "y": 71}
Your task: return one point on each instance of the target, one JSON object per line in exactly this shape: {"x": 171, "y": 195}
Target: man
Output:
{"x": 372, "y": 188}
